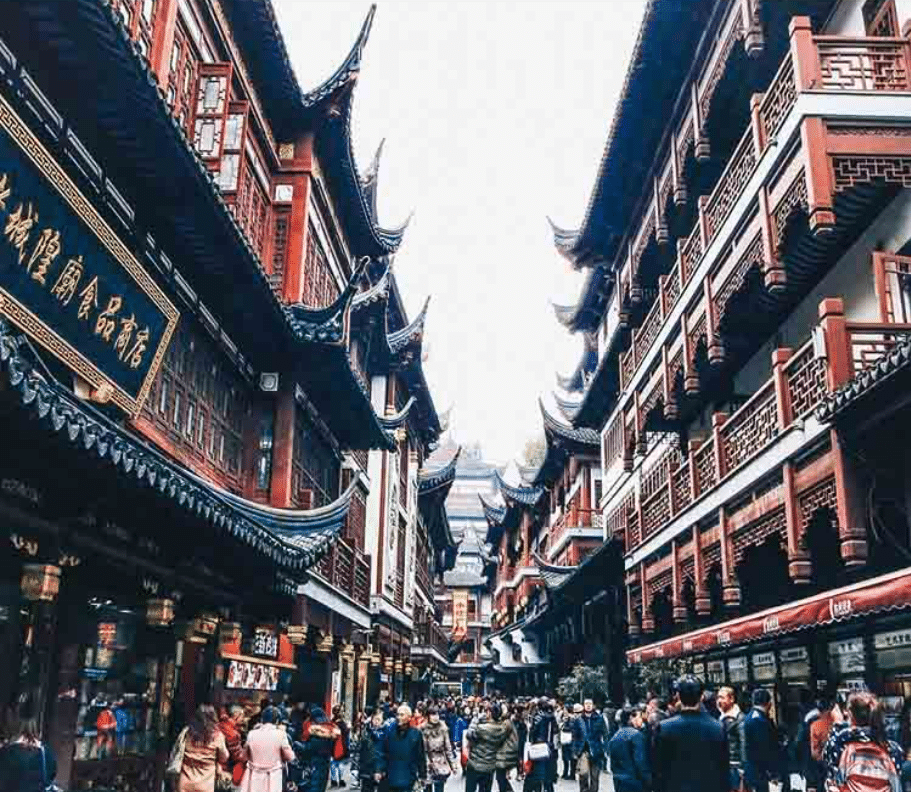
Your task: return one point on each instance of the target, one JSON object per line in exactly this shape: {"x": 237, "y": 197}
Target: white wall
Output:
{"x": 848, "y": 20}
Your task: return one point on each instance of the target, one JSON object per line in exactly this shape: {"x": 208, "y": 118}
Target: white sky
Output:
{"x": 495, "y": 115}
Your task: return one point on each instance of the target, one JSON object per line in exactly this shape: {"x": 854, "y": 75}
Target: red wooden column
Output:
{"x": 803, "y": 53}
{"x": 163, "y": 41}
{"x": 716, "y": 345}
{"x": 703, "y": 603}
{"x": 774, "y": 275}
{"x": 662, "y": 233}
{"x": 703, "y": 149}
{"x": 798, "y": 558}
{"x": 852, "y": 522}
{"x": 679, "y": 608}
{"x": 632, "y": 620}
{"x": 780, "y": 357}
{"x": 728, "y": 576}
{"x": 839, "y": 366}
{"x": 818, "y": 174}
{"x": 718, "y": 420}
{"x": 280, "y": 490}
{"x": 690, "y": 374}
{"x": 679, "y": 185}
{"x": 297, "y": 164}
{"x": 671, "y": 412}
{"x": 648, "y": 622}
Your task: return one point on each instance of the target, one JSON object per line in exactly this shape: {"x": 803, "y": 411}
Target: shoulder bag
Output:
{"x": 175, "y": 761}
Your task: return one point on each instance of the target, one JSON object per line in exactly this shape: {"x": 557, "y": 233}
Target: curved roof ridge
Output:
{"x": 493, "y": 514}
{"x": 565, "y": 314}
{"x": 413, "y": 332}
{"x": 566, "y": 432}
{"x": 527, "y": 496}
{"x": 544, "y": 565}
{"x": 441, "y": 477}
{"x": 395, "y": 420}
{"x": 564, "y": 238}
{"x": 348, "y": 70}
{"x": 568, "y": 407}
{"x": 377, "y": 292}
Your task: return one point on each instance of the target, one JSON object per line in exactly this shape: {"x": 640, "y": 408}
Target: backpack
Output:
{"x": 867, "y": 767}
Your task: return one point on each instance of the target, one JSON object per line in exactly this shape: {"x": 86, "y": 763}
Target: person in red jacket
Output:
{"x": 231, "y": 724}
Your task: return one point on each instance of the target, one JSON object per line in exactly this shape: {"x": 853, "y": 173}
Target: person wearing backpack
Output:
{"x": 26, "y": 763}
{"x": 858, "y": 756}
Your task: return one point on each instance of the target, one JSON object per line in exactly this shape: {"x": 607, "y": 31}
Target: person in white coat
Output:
{"x": 267, "y": 751}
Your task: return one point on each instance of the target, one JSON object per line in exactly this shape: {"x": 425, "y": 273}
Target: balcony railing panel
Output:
{"x": 863, "y": 64}
{"x": 751, "y": 428}
{"x": 870, "y": 341}
{"x": 806, "y": 378}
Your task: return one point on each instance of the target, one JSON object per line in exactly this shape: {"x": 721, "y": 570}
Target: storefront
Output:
{"x": 854, "y": 638}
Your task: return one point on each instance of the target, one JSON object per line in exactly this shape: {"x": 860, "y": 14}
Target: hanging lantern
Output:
{"x": 205, "y": 624}
{"x": 398, "y": 667}
{"x": 387, "y": 665}
{"x": 40, "y": 582}
{"x": 159, "y": 612}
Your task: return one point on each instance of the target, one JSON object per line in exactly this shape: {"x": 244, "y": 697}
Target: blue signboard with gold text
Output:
{"x": 69, "y": 282}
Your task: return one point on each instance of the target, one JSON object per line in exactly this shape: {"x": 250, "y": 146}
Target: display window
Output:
{"x": 737, "y": 670}
{"x": 714, "y": 671}
{"x": 119, "y": 689}
{"x": 765, "y": 667}
{"x": 795, "y": 664}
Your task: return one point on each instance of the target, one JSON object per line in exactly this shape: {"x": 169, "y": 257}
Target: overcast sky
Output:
{"x": 495, "y": 115}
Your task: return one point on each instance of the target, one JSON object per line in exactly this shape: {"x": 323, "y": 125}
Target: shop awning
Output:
{"x": 887, "y": 593}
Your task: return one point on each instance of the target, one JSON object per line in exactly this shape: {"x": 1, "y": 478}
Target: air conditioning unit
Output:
{"x": 268, "y": 382}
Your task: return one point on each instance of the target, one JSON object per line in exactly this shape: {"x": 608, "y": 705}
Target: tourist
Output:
{"x": 691, "y": 748}
{"x": 231, "y": 723}
{"x": 508, "y": 753}
{"x": 860, "y": 747}
{"x": 485, "y": 737}
{"x": 336, "y": 766}
{"x": 628, "y": 752}
{"x": 204, "y": 749}
{"x": 566, "y": 716}
{"x": 369, "y": 753}
{"x": 316, "y": 750}
{"x": 438, "y": 750}
{"x": 403, "y": 753}
{"x": 458, "y": 730}
{"x": 26, "y": 763}
{"x": 759, "y": 744}
{"x": 589, "y": 736}
{"x": 542, "y": 735}
{"x": 267, "y": 750}
{"x": 520, "y": 724}
{"x": 730, "y": 717}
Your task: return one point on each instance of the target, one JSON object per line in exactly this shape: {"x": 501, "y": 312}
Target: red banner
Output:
{"x": 459, "y": 613}
{"x": 889, "y": 592}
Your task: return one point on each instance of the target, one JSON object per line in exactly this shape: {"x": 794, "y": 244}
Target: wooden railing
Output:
{"x": 749, "y": 429}
{"x": 430, "y": 634}
{"x": 348, "y": 569}
{"x": 830, "y": 63}
{"x": 870, "y": 341}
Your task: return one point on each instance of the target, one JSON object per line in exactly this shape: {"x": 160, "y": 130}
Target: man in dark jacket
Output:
{"x": 589, "y": 736}
{"x": 628, "y": 752}
{"x": 759, "y": 744}
{"x": 370, "y": 752}
{"x": 731, "y": 717}
{"x": 691, "y": 749}
{"x": 403, "y": 761}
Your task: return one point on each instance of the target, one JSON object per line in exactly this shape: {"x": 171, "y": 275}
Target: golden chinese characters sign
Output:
{"x": 459, "y": 613}
{"x": 68, "y": 281}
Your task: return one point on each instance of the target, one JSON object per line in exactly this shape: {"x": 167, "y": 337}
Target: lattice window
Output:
{"x": 778, "y": 100}
{"x": 756, "y": 533}
{"x": 820, "y": 496}
{"x": 749, "y": 430}
{"x": 881, "y": 19}
{"x": 211, "y": 110}
{"x": 315, "y": 464}
{"x": 280, "y": 228}
{"x": 356, "y": 522}
{"x": 403, "y": 472}
{"x": 319, "y": 286}
{"x": 182, "y": 78}
{"x": 200, "y": 402}
{"x": 869, "y": 65}
{"x": 138, "y": 17}
{"x": 400, "y": 563}
{"x": 850, "y": 170}
{"x": 807, "y": 382}
{"x": 252, "y": 208}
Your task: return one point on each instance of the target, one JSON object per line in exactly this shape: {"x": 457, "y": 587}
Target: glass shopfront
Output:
{"x": 892, "y": 651}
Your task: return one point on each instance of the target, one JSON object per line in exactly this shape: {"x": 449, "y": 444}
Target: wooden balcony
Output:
{"x": 781, "y": 213}
{"x": 431, "y": 635}
{"x": 348, "y": 570}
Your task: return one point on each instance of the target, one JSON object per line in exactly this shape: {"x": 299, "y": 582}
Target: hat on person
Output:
{"x": 577, "y": 708}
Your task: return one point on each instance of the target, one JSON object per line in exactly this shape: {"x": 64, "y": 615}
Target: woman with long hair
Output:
{"x": 204, "y": 750}
{"x": 865, "y": 733}
{"x": 26, "y": 763}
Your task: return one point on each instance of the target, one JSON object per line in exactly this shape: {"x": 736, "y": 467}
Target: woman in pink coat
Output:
{"x": 267, "y": 751}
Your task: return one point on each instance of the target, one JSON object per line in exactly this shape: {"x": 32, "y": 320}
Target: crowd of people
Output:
{"x": 694, "y": 741}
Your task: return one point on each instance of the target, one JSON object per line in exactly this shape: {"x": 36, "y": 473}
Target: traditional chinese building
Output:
{"x": 745, "y": 302}
{"x": 207, "y": 376}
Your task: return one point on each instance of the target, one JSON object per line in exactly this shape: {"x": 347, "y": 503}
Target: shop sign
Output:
{"x": 764, "y": 659}
{"x": 764, "y": 666}
{"x": 251, "y": 676}
{"x": 892, "y": 640}
{"x": 265, "y": 643}
{"x": 699, "y": 669}
{"x": 848, "y": 656}
{"x": 796, "y": 654}
{"x": 69, "y": 282}
{"x": 459, "y": 613}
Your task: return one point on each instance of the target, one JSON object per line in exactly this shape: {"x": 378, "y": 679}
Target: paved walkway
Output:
{"x": 457, "y": 784}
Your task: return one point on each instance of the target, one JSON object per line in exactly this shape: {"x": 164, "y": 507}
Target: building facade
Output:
{"x": 200, "y": 328}
{"x": 744, "y": 321}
